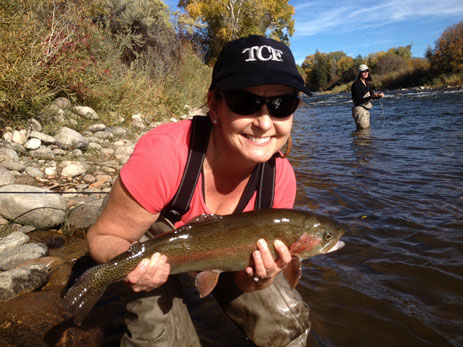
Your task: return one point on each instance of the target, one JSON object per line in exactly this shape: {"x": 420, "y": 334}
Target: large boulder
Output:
{"x": 22, "y": 280}
{"x": 31, "y": 205}
{"x": 70, "y": 139}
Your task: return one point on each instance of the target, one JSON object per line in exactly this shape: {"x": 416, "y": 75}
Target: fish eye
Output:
{"x": 328, "y": 236}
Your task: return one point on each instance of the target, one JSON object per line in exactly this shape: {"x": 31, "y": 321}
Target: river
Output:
{"x": 398, "y": 187}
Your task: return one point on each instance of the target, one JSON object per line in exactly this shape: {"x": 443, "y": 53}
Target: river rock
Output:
{"x": 96, "y": 127}
{"x": 105, "y": 134}
{"x": 13, "y": 240}
{"x": 11, "y": 258}
{"x": 62, "y": 103}
{"x": 34, "y": 125}
{"x": 8, "y": 154}
{"x": 84, "y": 215}
{"x": 46, "y": 139}
{"x": 118, "y": 131}
{"x": 95, "y": 146}
{"x": 74, "y": 337}
{"x": 70, "y": 253}
{"x": 49, "y": 262}
{"x": 19, "y": 136}
{"x": 22, "y": 280}
{"x": 72, "y": 168}
{"x": 14, "y": 165}
{"x": 59, "y": 277}
{"x": 40, "y": 210}
{"x": 6, "y": 177}
{"x": 70, "y": 139}
{"x": 7, "y": 136}
{"x": 50, "y": 171}
{"x": 34, "y": 172}
{"x": 42, "y": 153}
{"x": 33, "y": 143}
{"x": 86, "y": 112}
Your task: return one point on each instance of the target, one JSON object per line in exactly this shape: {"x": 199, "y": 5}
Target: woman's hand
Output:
{"x": 265, "y": 267}
{"x": 149, "y": 274}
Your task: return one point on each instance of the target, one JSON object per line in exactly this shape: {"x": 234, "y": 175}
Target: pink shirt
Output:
{"x": 154, "y": 171}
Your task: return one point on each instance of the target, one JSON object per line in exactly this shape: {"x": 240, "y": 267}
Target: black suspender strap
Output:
{"x": 266, "y": 187}
{"x": 199, "y": 138}
{"x": 262, "y": 178}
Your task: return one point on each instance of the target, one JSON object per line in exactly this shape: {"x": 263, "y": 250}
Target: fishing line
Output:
{"x": 382, "y": 118}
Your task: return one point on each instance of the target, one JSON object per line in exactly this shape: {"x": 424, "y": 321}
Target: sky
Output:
{"x": 359, "y": 27}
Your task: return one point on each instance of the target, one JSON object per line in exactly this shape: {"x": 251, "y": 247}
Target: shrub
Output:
{"x": 51, "y": 48}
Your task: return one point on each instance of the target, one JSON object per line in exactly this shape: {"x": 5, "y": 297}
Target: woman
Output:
{"x": 252, "y": 98}
{"x": 362, "y": 93}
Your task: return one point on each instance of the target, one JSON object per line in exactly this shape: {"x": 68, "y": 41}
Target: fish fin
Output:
{"x": 83, "y": 295}
{"x": 206, "y": 281}
{"x": 293, "y": 272}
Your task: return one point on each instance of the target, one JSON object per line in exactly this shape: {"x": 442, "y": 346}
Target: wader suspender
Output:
{"x": 262, "y": 178}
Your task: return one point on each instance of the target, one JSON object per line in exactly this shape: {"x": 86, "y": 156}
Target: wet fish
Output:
{"x": 212, "y": 244}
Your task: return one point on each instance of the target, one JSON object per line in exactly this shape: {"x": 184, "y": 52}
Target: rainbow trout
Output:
{"x": 212, "y": 244}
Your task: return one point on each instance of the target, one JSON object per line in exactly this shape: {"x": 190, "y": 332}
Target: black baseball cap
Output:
{"x": 256, "y": 60}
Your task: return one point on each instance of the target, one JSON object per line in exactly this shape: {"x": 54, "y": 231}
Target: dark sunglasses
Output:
{"x": 245, "y": 103}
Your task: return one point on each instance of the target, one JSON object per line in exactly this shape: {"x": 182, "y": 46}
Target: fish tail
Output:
{"x": 83, "y": 295}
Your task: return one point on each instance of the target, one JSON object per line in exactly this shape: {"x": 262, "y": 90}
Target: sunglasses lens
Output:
{"x": 242, "y": 103}
{"x": 245, "y": 103}
{"x": 282, "y": 106}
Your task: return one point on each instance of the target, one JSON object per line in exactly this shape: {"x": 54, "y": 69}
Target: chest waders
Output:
{"x": 274, "y": 316}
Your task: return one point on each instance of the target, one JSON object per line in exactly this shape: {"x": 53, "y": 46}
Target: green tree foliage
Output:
{"x": 230, "y": 19}
{"x": 447, "y": 55}
{"x": 324, "y": 70}
{"x": 394, "y": 68}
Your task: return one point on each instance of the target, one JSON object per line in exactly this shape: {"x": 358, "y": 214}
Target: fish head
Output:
{"x": 319, "y": 235}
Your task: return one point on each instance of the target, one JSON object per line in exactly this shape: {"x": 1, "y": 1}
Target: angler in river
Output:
{"x": 362, "y": 92}
{"x": 224, "y": 163}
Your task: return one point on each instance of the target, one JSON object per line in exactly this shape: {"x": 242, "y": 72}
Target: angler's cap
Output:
{"x": 256, "y": 60}
{"x": 363, "y": 67}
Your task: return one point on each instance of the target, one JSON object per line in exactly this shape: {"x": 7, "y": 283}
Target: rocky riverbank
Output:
{"x": 51, "y": 189}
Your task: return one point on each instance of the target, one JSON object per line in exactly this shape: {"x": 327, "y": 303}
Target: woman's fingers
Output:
{"x": 264, "y": 263}
{"x": 284, "y": 256}
{"x": 149, "y": 273}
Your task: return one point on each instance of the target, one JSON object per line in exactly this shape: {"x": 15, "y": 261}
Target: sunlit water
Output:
{"x": 399, "y": 188}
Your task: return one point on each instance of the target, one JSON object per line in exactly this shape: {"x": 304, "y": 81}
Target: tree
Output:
{"x": 402, "y": 51}
{"x": 390, "y": 63}
{"x": 231, "y": 19}
{"x": 324, "y": 70}
{"x": 447, "y": 55}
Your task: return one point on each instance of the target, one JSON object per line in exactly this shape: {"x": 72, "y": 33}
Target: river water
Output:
{"x": 398, "y": 187}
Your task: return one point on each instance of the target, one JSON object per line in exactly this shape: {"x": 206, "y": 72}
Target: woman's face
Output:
{"x": 254, "y": 137}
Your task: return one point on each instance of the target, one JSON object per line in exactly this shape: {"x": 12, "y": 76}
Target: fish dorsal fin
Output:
{"x": 293, "y": 272}
{"x": 204, "y": 219}
{"x": 206, "y": 281}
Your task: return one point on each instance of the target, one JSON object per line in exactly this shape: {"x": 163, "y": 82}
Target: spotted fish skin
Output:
{"x": 212, "y": 243}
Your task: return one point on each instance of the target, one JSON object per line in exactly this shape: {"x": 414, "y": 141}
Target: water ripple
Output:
{"x": 398, "y": 187}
